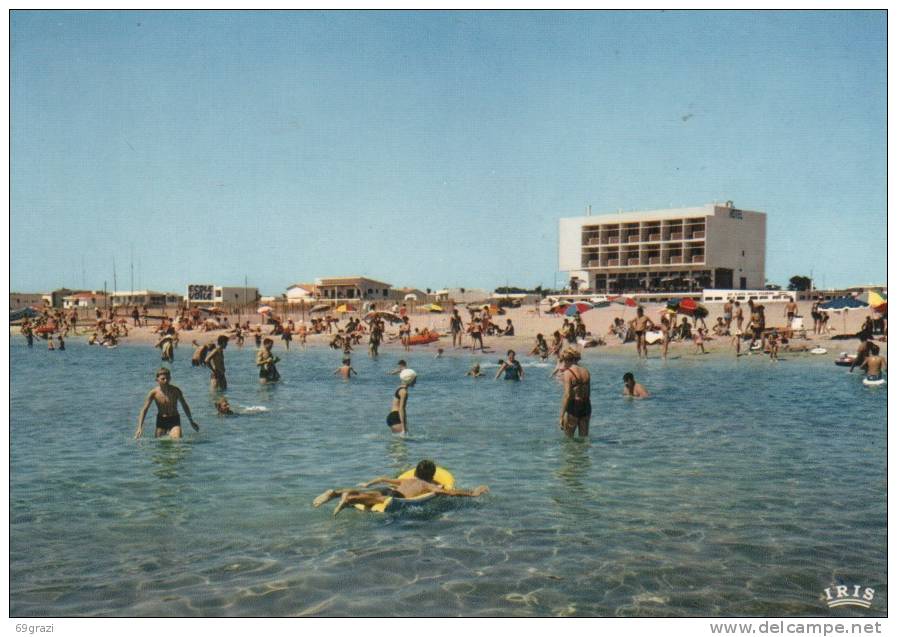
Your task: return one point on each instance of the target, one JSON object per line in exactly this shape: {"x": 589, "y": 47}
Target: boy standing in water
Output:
{"x": 166, "y": 396}
{"x": 346, "y": 370}
{"x": 266, "y": 362}
{"x": 215, "y": 362}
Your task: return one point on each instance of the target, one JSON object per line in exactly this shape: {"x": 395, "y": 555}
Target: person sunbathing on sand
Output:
{"x": 421, "y": 484}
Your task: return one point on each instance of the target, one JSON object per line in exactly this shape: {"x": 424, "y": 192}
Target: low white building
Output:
{"x": 149, "y": 298}
{"x": 209, "y": 295}
{"x": 82, "y": 300}
{"x": 461, "y": 295}
{"x": 352, "y": 288}
{"x": 301, "y": 292}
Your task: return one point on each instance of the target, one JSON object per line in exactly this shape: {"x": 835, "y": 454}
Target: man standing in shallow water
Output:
{"x": 166, "y": 396}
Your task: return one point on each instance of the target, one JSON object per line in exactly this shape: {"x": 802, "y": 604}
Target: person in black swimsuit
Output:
{"x": 511, "y": 367}
{"x": 397, "y": 419}
{"x": 576, "y": 405}
{"x": 166, "y": 396}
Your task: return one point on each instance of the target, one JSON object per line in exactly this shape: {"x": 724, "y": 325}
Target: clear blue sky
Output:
{"x": 432, "y": 149}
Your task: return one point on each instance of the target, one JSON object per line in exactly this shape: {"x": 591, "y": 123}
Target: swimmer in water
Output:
{"x": 346, "y": 370}
{"x": 400, "y": 367}
{"x": 421, "y": 484}
{"x": 438, "y": 353}
{"x": 223, "y": 407}
{"x": 474, "y": 371}
{"x": 633, "y": 389}
{"x": 166, "y": 396}
{"x": 874, "y": 364}
{"x": 397, "y": 420}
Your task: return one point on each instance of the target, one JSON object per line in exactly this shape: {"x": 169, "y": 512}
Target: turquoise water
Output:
{"x": 740, "y": 488}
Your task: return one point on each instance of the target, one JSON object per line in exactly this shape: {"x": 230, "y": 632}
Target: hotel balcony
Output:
{"x": 613, "y": 263}
{"x": 632, "y": 261}
{"x": 653, "y": 260}
{"x": 697, "y": 258}
{"x": 654, "y": 237}
{"x": 676, "y": 259}
{"x": 698, "y": 234}
{"x": 676, "y": 236}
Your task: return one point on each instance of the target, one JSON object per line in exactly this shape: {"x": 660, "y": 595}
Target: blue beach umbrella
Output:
{"x": 843, "y": 304}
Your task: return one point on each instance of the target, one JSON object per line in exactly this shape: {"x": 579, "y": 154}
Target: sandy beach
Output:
{"x": 529, "y": 321}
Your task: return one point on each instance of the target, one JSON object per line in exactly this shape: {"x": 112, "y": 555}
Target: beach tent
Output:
{"x": 431, "y": 307}
{"x": 345, "y": 307}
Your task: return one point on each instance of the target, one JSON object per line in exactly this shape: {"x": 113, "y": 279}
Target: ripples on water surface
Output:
{"x": 740, "y": 488}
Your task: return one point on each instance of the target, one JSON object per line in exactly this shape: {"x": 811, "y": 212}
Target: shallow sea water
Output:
{"x": 739, "y": 488}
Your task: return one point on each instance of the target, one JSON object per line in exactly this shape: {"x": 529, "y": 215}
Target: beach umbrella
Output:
{"x": 264, "y": 309}
{"x": 628, "y": 301}
{"x": 389, "y": 317}
{"x": 690, "y": 307}
{"x": 345, "y": 307}
{"x": 843, "y": 304}
{"x": 572, "y": 309}
{"x": 321, "y": 307}
{"x": 878, "y": 301}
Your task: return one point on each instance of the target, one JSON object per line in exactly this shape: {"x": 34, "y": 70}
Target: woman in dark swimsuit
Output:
{"x": 576, "y": 405}
{"x": 397, "y": 420}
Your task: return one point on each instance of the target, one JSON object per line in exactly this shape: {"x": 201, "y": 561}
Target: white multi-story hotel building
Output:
{"x": 711, "y": 246}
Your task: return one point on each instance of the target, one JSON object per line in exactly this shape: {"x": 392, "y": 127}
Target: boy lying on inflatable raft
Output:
{"x": 426, "y": 481}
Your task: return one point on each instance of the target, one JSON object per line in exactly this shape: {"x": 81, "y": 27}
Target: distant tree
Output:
{"x": 429, "y": 291}
{"x": 799, "y": 283}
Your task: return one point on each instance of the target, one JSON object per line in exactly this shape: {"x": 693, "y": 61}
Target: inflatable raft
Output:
{"x": 876, "y": 382}
{"x": 423, "y": 339}
{"x": 845, "y": 360}
{"x": 391, "y": 505}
